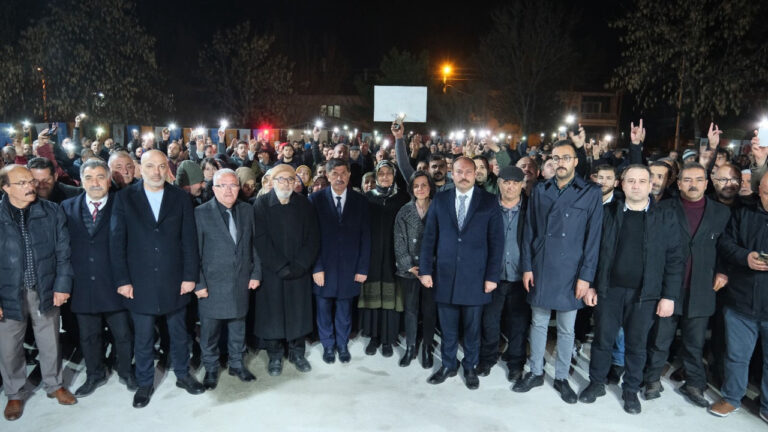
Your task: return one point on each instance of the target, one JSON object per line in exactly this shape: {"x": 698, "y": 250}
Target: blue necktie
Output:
{"x": 231, "y": 226}
{"x": 338, "y": 207}
{"x": 462, "y": 210}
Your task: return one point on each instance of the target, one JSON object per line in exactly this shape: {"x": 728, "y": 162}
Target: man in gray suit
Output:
{"x": 229, "y": 267}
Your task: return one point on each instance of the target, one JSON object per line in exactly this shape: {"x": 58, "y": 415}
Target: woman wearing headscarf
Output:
{"x": 247, "y": 184}
{"x": 381, "y": 299}
{"x": 409, "y": 226}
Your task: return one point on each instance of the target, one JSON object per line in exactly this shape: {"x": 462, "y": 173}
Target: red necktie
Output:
{"x": 95, "y": 209}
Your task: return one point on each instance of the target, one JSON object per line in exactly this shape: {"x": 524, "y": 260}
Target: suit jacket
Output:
{"x": 345, "y": 247}
{"x": 561, "y": 241}
{"x": 225, "y": 266}
{"x": 154, "y": 256}
{"x": 63, "y": 191}
{"x": 94, "y": 290}
{"x": 461, "y": 260}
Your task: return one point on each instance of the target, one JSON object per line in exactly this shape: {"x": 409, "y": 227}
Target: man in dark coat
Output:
{"x": 229, "y": 267}
{"x": 742, "y": 250}
{"x": 287, "y": 233}
{"x": 94, "y": 297}
{"x": 345, "y": 253}
{"x": 639, "y": 273}
{"x": 700, "y": 222}
{"x": 561, "y": 242}
{"x": 36, "y": 281}
{"x": 462, "y": 247}
{"x": 48, "y": 186}
{"x": 155, "y": 265}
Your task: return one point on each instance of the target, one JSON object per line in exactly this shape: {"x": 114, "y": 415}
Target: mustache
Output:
{"x": 693, "y": 189}
{"x": 30, "y": 193}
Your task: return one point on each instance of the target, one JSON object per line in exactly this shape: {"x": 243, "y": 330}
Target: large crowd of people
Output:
{"x": 197, "y": 253}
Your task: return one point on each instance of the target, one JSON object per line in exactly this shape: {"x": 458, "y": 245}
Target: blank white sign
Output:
{"x": 388, "y": 101}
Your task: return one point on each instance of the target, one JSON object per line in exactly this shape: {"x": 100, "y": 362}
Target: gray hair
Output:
{"x": 222, "y": 172}
{"x": 118, "y": 154}
{"x": 95, "y": 163}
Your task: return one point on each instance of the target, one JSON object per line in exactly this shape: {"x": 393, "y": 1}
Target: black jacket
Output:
{"x": 699, "y": 300}
{"x": 747, "y": 231}
{"x": 47, "y": 226}
{"x": 63, "y": 191}
{"x": 663, "y": 263}
{"x": 154, "y": 256}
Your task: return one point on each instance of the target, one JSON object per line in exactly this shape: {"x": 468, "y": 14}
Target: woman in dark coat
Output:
{"x": 381, "y": 299}
{"x": 409, "y": 225}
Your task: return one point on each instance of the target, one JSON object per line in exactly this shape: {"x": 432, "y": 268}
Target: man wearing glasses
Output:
{"x": 288, "y": 237}
{"x": 229, "y": 267}
{"x": 727, "y": 181}
{"x": 36, "y": 281}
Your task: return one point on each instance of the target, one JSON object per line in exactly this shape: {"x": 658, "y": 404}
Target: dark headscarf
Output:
{"x": 382, "y": 191}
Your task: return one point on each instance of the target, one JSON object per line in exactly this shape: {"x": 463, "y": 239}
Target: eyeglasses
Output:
{"x": 227, "y": 186}
{"x": 724, "y": 181}
{"x": 24, "y": 183}
{"x": 284, "y": 181}
{"x": 557, "y": 159}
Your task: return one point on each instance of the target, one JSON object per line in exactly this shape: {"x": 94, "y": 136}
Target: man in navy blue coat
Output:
{"x": 94, "y": 297}
{"x": 345, "y": 254}
{"x": 462, "y": 246}
{"x": 155, "y": 265}
{"x": 561, "y": 244}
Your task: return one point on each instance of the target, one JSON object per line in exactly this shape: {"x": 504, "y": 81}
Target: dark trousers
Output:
{"x": 416, "y": 294}
{"x": 92, "y": 341}
{"x": 275, "y": 349}
{"x": 144, "y": 339}
{"x": 615, "y": 308}
{"x": 509, "y": 299}
{"x": 333, "y": 329}
{"x": 211, "y": 332}
{"x": 694, "y": 331}
{"x": 450, "y": 315}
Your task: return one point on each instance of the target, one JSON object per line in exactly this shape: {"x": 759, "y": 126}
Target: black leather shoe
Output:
{"x": 344, "y": 355}
{"x": 90, "y": 385}
{"x": 653, "y": 390}
{"x": 528, "y": 382}
{"x": 129, "y": 382}
{"x": 410, "y": 354}
{"x": 470, "y": 379}
{"x": 211, "y": 380}
{"x": 142, "y": 396}
{"x": 427, "y": 358}
{"x": 631, "y": 402}
{"x": 592, "y": 392}
{"x": 693, "y": 394}
{"x": 372, "y": 346}
{"x": 191, "y": 385}
{"x": 566, "y": 392}
{"x": 301, "y": 363}
{"x": 386, "y": 350}
{"x": 514, "y": 374}
{"x": 483, "y": 369}
{"x": 614, "y": 374}
{"x": 243, "y": 374}
{"x": 441, "y": 375}
{"x": 329, "y": 355}
{"x": 275, "y": 367}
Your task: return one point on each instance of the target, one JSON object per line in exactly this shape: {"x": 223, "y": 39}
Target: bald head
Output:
{"x": 154, "y": 169}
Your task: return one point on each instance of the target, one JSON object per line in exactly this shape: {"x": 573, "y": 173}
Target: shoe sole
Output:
{"x": 723, "y": 415}
{"x": 526, "y": 390}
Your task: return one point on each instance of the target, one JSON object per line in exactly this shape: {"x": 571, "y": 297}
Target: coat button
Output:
{"x": 459, "y": 240}
{"x": 415, "y": 240}
{"x": 566, "y": 215}
{"x": 563, "y": 235}
{"x": 155, "y": 268}
{"x": 416, "y": 257}
{"x": 157, "y": 249}
{"x": 90, "y": 259}
{"x": 93, "y": 278}
{"x": 157, "y": 229}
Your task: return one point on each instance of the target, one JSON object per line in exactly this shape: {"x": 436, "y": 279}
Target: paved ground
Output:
{"x": 370, "y": 393}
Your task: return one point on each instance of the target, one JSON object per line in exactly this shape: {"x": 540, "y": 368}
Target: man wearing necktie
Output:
{"x": 229, "y": 267}
{"x": 94, "y": 297}
{"x": 461, "y": 255}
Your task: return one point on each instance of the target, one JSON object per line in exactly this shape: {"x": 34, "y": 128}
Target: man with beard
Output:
{"x": 37, "y": 279}
{"x": 287, "y": 232}
{"x": 605, "y": 176}
{"x": 559, "y": 260}
{"x": 727, "y": 181}
{"x": 437, "y": 168}
{"x": 229, "y": 268}
{"x": 123, "y": 170}
{"x": 240, "y": 158}
{"x": 530, "y": 170}
{"x": 484, "y": 178}
{"x": 155, "y": 264}
{"x": 174, "y": 156}
{"x": 93, "y": 296}
{"x": 660, "y": 177}
{"x": 345, "y": 253}
{"x": 700, "y": 222}
{"x": 461, "y": 254}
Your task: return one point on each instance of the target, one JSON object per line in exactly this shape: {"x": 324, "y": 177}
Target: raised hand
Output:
{"x": 636, "y": 133}
{"x": 713, "y": 135}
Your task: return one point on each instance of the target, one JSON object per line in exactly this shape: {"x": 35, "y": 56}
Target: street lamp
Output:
{"x": 447, "y": 70}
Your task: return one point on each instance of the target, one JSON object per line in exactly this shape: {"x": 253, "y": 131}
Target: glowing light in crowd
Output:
{"x": 346, "y": 127}
{"x": 542, "y": 134}
{"x": 472, "y": 132}
{"x": 318, "y": 123}
{"x": 26, "y": 123}
{"x": 502, "y": 136}
{"x": 386, "y": 143}
{"x": 172, "y": 126}
{"x": 562, "y": 129}
{"x": 290, "y": 132}
{"x": 11, "y": 131}
{"x": 554, "y": 134}
{"x": 523, "y": 138}
{"x": 200, "y": 131}
{"x": 608, "y": 138}
{"x": 452, "y": 135}
{"x": 99, "y": 130}
{"x": 433, "y": 134}
{"x": 336, "y": 130}
{"x": 148, "y": 136}
{"x": 82, "y": 115}
{"x": 570, "y": 118}
{"x": 223, "y": 124}
{"x": 375, "y": 132}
